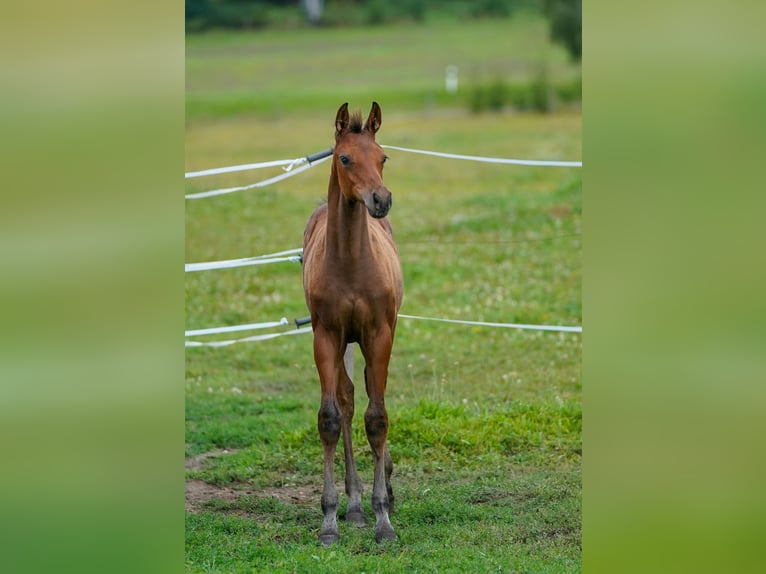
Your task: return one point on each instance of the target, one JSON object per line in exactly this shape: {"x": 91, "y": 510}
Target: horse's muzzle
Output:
{"x": 378, "y": 203}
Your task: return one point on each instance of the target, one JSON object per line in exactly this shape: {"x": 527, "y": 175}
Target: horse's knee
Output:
{"x": 328, "y": 422}
{"x": 376, "y": 424}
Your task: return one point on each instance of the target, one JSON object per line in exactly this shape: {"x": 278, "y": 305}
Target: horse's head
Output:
{"x": 359, "y": 160}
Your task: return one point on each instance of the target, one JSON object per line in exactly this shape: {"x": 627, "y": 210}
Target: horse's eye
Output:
{"x": 344, "y": 160}
{"x": 385, "y": 157}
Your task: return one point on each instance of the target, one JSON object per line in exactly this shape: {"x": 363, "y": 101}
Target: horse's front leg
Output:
{"x": 389, "y": 466}
{"x": 377, "y": 353}
{"x": 327, "y": 356}
{"x": 354, "y": 513}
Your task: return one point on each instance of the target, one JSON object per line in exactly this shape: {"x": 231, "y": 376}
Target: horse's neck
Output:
{"x": 348, "y": 238}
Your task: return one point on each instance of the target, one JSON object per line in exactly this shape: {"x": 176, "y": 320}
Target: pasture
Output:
{"x": 485, "y": 423}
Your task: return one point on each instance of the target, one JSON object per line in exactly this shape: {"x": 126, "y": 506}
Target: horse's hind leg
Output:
{"x": 354, "y": 512}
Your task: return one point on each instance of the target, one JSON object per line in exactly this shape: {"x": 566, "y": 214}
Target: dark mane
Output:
{"x": 355, "y": 122}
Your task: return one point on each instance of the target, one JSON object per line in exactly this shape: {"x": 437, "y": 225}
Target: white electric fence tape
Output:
{"x": 248, "y": 166}
{"x": 251, "y": 326}
{"x": 550, "y": 163}
{"x": 570, "y": 329}
{"x": 263, "y": 183}
{"x": 246, "y": 339}
{"x": 504, "y": 325}
{"x": 292, "y": 163}
{"x": 245, "y": 261}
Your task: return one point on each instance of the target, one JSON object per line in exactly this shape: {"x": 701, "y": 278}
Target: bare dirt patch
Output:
{"x": 199, "y": 492}
{"x": 198, "y": 462}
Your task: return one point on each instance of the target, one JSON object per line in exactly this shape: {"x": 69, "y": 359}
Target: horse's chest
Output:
{"x": 344, "y": 304}
{"x": 349, "y": 299}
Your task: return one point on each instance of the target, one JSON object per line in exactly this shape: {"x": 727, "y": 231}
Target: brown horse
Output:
{"x": 352, "y": 281}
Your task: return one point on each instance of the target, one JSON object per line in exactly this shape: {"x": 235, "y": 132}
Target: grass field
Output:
{"x": 485, "y": 427}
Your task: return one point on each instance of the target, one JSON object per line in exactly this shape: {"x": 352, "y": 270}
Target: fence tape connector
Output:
{"x": 310, "y": 158}
{"x": 247, "y": 339}
{"x": 575, "y": 329}
{"x": 295, "y": 163}
{"x": 550, "y": 163}
{"x": 263, "y": 183}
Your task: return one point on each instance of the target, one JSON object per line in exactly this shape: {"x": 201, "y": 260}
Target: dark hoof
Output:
{"x": 385, "y": 534}
{"x": 329, "y": 539}
{"x": 356, "y": 517}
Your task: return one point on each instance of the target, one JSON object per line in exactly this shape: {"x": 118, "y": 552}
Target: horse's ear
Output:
{"x": 341, "y": 120}
{"x": 374, "y": 120}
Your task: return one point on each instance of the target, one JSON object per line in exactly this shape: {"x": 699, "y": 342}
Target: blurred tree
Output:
{"x": 566, "y": 24}
{"x": 251, "y": 14}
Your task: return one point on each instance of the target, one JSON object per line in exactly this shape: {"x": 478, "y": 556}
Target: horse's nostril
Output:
{"x": 379, "y": 204}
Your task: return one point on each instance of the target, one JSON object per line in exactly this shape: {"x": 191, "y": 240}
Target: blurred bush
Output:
{"x": 537, "y": 94}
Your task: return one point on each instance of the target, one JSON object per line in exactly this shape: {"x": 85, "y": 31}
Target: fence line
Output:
{"x": 572, "y": 329}
{"x": 248, "y": 327}
{"x": 309, "y": 162}
{"x": 547, "y": 163}
{"x": 263, "y": 183}
{"x": 313, "y": 158}
{"x": 290, "y": 163}
{"x": 245, "y": 167}
{"x": 317, "y": 158}
{"x": 245, "y": 261}
{"x": 283, "y": 321}
{"x": 247, "y": 339}
{"x": 277, "y": 257}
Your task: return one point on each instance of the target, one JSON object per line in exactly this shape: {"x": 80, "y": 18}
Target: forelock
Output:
{"x": 355, "y": 122}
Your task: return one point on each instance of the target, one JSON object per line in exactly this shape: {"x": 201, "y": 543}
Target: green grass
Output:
{"x": 485, "y": 424}
{"x": 511, "y": 523}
